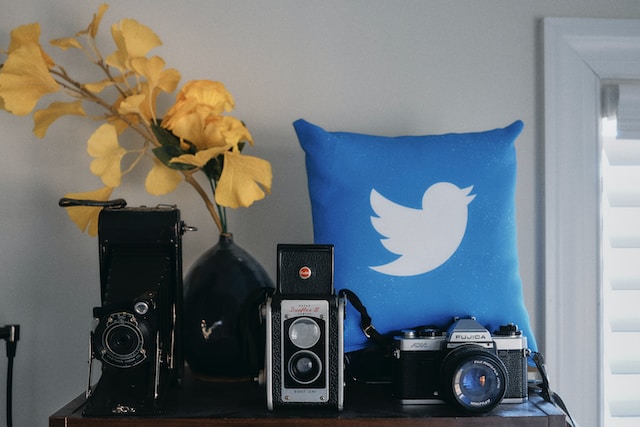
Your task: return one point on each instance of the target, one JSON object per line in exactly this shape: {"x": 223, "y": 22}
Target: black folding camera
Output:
{"x": 467, "y": 366}
{"x": 304, "y": 354}
{"x": 137, "y": 337}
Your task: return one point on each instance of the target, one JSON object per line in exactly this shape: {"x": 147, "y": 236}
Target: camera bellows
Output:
{"x": 137, "y": 333}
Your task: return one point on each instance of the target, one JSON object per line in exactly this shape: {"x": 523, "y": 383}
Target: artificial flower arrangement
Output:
{"x": 194, "y": 135}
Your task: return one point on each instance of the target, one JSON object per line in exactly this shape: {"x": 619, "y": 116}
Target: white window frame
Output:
{"x": 578, "y": 55}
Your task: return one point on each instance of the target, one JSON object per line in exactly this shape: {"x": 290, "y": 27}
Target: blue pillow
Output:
{"x": 423, "y": 227}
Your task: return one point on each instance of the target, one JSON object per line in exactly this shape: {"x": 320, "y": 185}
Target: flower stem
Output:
{"x": 222, "y": 211}
{"x": 188, "y": 177}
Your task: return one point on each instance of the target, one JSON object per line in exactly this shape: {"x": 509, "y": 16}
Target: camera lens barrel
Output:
{"x": 120, "y": 340}
{"x": 473, "y": 378}
{"x": 305, "y": 367}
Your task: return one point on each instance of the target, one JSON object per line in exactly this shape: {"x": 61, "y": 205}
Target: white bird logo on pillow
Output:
{"x": 424, "y": 238}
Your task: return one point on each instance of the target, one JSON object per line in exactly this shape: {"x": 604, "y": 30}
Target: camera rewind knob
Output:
{"x": 508, "y": 330}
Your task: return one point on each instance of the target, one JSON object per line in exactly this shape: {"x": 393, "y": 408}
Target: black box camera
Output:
{"x": 467, "y": 366}
{"x": 137, "y": 333}
{"x": 304, "y": 354}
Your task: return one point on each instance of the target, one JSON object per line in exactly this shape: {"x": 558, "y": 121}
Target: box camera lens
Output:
{"x": 120, "y": 340}
{"x": 304, "y": 331}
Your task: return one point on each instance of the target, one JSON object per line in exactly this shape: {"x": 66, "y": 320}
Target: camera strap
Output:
{"x": 365, "y": 319}
{"x": 545, "y": 389}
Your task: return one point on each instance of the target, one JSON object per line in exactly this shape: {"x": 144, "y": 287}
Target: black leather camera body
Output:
{"x": 304, "y": 354}
{"x": 137, "y": 332}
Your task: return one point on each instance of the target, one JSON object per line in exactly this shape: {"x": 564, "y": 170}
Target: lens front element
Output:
{"x": 474, "y": 378}
{"x": 305, "y": 367}
{"x": 304, "y": 332}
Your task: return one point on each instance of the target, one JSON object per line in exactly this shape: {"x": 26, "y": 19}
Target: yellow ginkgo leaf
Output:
{"x": 24, "y": 34}
{"x": 133, "y": 40}
{"x": 161, "y": 180}
{"x": 86, "y": 217}
{"x": 29, "y": 34}
{"x": 43, "y": 118}
{"x": 104, "y": 147}
{"x": 131, "y": 104}
{"x": 201, "y": 158}
{"x": 244, "y": 180}
{"x": 92, "y": 29}
{"x": 98, "y": 87}
{"x": 24, "y": 79}
{"x": 66, "y": 43}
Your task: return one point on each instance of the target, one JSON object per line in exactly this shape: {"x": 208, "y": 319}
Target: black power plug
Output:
{"x": 11, "y": 334}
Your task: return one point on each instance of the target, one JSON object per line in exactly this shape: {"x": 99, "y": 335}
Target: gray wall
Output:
{"x": 388, "y": 67}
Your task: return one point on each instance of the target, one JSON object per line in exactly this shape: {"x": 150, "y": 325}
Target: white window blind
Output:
{"x": 620, "y": 239}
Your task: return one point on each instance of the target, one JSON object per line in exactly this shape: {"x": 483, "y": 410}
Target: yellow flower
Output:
{"x": 86, "y": 217}
{"x": 195, "y": 135}
{"x": 191, "y": 127}
{"x": 24, "y": 79}
{"x": 232, "y": 130}
{"x": 103, "y": 146}
{"x": 132, "y": 40}
{"x": 243, "y": 180}
{"x": 43, "y": 118}
{"x": 201, "y": 97}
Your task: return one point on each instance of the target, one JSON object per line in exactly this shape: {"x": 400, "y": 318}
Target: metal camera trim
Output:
{"x": 113, "y": 323}
{"x": 415, "y": 352}
{"x": 277, "y": 392}
{"x": 298, "y": 296}
{"x": 309, "y": 309}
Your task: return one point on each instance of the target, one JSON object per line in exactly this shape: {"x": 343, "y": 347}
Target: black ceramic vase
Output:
{"x": 223, "y": 336}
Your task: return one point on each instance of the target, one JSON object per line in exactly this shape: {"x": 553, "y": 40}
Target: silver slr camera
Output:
{"x": 466, "y": 366}
{"x": 304, "y": 352}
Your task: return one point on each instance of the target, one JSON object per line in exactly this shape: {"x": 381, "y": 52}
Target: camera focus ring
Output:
{"x": 474, "y": 378}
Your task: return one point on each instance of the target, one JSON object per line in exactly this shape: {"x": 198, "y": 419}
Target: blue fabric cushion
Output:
{"x": 423, "y": 227}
